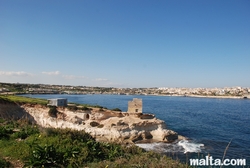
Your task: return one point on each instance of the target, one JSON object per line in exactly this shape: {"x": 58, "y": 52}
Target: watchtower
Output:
{"x": 135, "y": 106}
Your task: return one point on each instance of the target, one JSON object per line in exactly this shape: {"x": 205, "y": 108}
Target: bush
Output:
{"x": 43, "y": 156}
{"x": 5, "y": 132}
{"x": 4, "y": 163}
{"x": 26, "y": 132}
{"x": 67, "y": 133}
{"x": 52, "y": 111}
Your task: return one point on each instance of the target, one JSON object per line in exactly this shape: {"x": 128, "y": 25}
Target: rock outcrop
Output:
{"x": 104, "y": 125}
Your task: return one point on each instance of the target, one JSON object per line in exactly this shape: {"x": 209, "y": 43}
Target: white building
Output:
{"x": 57, "y": 102}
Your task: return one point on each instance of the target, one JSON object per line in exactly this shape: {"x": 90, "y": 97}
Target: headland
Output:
{"x": 105, "y": 125}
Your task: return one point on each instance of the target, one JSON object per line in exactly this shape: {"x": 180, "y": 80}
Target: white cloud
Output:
{"x": 101, "y": 79}
{"x": 51, "y": 73}
{"x": 17, "y": 73}
{"x": 72, "y": 77}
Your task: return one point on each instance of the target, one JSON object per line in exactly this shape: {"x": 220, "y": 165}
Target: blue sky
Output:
{"x": 132, "y": 43}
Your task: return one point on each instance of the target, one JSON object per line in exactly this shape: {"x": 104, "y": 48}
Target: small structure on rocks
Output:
{"x": 106, "y": 125}
{"x": 60, "y": 102}
{"x": 135, "y": 106}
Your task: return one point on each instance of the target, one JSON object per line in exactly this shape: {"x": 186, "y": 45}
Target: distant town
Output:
{"x": 226, "y": 92}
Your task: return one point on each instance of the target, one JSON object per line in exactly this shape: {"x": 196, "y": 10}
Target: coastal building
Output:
{"x": 60, "y": 102}
{"x": 135, "y": 106}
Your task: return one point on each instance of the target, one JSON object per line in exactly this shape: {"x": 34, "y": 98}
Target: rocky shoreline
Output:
{"x": 104, "y": 125}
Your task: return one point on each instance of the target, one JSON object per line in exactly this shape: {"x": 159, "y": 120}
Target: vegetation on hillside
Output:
{"x": 49, "y": 147}
{"x": 29, "y": 100}
{"x": 22, "y": 100}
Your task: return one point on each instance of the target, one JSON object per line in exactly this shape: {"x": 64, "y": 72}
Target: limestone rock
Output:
{"x": 169, "y": 136}
{"x": 119, "y": 127}
{"x": 146, "y": 135}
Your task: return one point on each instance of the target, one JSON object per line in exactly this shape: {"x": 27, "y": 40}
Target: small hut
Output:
{"x": 60, "y": 102}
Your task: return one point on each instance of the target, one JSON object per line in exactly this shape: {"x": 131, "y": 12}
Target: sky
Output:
{"x": 126, "y": 44}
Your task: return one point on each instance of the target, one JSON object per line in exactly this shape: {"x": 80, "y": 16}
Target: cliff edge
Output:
{"x": 103, "y": 124}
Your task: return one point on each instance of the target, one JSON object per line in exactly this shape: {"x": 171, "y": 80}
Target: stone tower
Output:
{"x": 135, "y": 106}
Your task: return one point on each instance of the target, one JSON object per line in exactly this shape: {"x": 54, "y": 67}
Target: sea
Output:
{"x": 214, "y": 127}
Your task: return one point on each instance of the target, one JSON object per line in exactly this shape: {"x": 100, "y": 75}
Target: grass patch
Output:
{"x": 29, "y": 100}
{"x": 22, "y": 100}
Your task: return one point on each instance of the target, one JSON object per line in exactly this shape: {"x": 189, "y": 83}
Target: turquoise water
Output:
{"x": 209, "y": 123}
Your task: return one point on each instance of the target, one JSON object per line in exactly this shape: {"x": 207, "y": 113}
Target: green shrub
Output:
{"x": 2, "y": 120}
{"x": 43, "y": 156}
{"x": 134, "y": 150}
{"x": 5, "y": 132}
{"x": 25, "y": 132}
{"x": 67, "y": 133}
{"x": 4, "y": 163}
